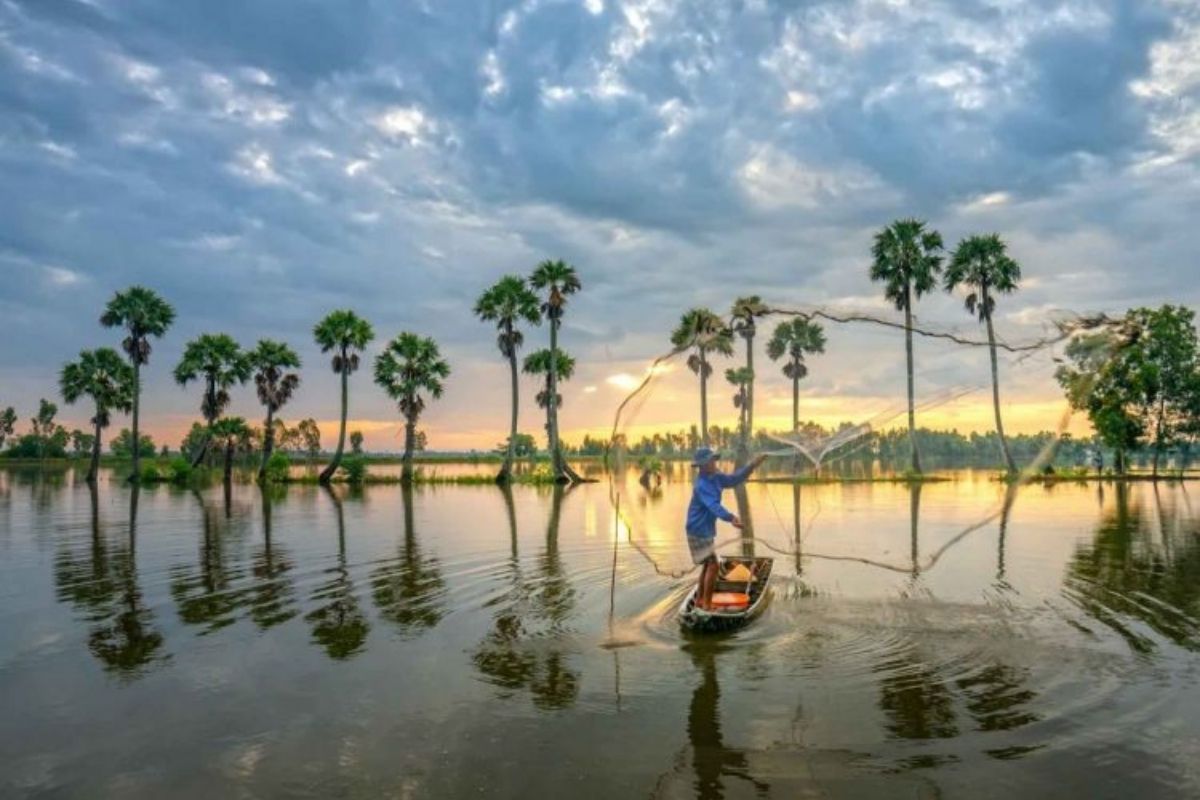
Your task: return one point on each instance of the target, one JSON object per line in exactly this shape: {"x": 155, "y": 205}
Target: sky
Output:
{"x": 262, "y": 162}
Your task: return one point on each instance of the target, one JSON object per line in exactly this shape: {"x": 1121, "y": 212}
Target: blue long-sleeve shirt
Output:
{"x": 705, "y": 508}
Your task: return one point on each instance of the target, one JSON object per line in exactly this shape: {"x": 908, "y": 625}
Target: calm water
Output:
{"x": 458, "y": 641}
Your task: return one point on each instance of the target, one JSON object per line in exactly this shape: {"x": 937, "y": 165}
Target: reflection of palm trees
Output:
{"x": 338, "y": 625}
{"x": 914, "y": 516}
{"x": 207, "y": 598}
{"x": 1133, "y": 574}
{"x": 796, "y": 526}
{"x": 1010, "y": 495}
{"x": 917, "y": 703}
{"x": 106, "y": 588}
{"x": 408, "y": 590}
{"x": 272, "y": 599}
{"x": 711, "y": 759}
{"x": 509, "y": 657}
{"x": 747, "y": 532}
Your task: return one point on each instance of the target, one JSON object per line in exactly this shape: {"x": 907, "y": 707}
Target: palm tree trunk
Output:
{"x": 748, "y": 401}
{"x": 203, "y": 451}
{"x": 795, "y": 400}
{"x": 410, "y": 437}
{"x": 908, "y": 353}
{"x": 1158, "y": 432}
{"x": 506, "y": 470}
{"x": 137, "y": 391}
{"x": 1008, "y": 459}
{"x": 704, "y": 399}
{"x": 94, "y": 468}
{"x": 327, "y": 473}
{"x": 561, "y": 472}
{"x": 228, "y": 461}
{"x": 268, "y": 444}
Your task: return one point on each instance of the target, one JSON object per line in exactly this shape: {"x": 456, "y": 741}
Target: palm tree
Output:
{"x": 507, "y": 303}
{"x": 275, "y": 387}
{"x": 538, "y": 363}
{"x": 408, "y": 366}
{"x": 8, "y": 423}
{"x": 142, "y": 313}
{"x": 745, "y": 312}
{"x": 907, "y": 258}
{"x": 559, "y": 280}
{"x": 219, "y": 361}
{"x": 795, "y": 338}
{"x": 104, "y": 377}
{"x": 741, "y": 379}
{"x": 982, "y": 264}
{"x": 230, "y": 433}
{"x": 345, "y": 333}
{"x": 704, "y": 332}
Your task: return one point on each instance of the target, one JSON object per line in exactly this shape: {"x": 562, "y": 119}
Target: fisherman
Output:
{"x": 704, "y": 511}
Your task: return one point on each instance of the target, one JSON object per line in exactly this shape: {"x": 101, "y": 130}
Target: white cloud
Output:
{"x": 61, "y": 276}
{"x": 404, "y": 122}
{"x": 254, "y": 163}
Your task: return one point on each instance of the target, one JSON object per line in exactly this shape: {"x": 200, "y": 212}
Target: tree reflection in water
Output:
{"x": 522, "y": 650}
{"x": 409, "y": 590}
{"x": 104, "y": 585}
{"x": 272, "y": 598}
{"x": 208, "y": 597}
{"x": 338, "y": 624}
{"x": 711, "y": 759}
{"x": 1141, "y": 568}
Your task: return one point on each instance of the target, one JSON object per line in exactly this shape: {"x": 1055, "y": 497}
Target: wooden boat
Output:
{"x": 735, "y": 615}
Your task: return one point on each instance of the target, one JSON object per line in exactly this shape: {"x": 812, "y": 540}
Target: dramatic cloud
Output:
{"x": 262, "y": 163}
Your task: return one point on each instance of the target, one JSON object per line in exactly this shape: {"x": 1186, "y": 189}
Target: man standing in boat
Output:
{"x": 704, "y": 511}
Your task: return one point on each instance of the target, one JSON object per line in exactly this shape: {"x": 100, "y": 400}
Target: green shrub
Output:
{"x": 354, "y": 468}
{"x": 278, "y": 467}
{"x": 150, "y": 473}
{"x": 180, "y": 469}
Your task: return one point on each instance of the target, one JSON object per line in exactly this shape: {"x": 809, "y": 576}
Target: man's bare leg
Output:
{"x": 708, "y": 582}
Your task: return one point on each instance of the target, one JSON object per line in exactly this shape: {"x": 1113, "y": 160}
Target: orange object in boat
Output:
{"x": 730, "y": 601}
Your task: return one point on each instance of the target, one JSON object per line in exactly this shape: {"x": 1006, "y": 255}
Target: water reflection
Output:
{"x": 103, "y": 583}
{"x": 409, "y": 590}
{"x": 207, "y": 597}
{"x": 272, "y": 597}
{"x": 520, "y": 652}
{"x": 712, "y": 760}
{"x": 916, "y": 702}
{"x": 338, "y": 623}
{"x": 1141, "y": 568}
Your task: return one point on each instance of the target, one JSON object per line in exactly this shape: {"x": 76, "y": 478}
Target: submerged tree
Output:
{"x": 356, "y": 442}
{"x": 702, "y": 332}
{"x": 275, "y": 386}
{"x": 796, "y": 338}
{"x": 308, "y": 437}
{"x": 143, "y": 314}
{"x": 745, "y": 314}
{"x": 559, "y": 280}
{"x": 347, "y": 334}
{"x": 507, "y": 303}
{"x": 982, "y": 264}
{"x": 231, "y": 434}
{"x": 216, "y": 359}
{"x": 907, "y": 259}
{"x": 409, "y": 366}
{"x": 1140, "y": 385}
{"x": 104, "y": 377}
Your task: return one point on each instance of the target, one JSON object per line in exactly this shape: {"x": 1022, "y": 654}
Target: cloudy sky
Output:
{"x": 261, "y": 162}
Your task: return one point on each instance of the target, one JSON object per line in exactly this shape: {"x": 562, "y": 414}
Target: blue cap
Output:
{"x": 703, "y": 456}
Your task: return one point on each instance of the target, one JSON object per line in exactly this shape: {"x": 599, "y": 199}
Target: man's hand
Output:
{"x": 736, "y": 522}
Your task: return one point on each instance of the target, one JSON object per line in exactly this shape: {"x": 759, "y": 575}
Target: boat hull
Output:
{"x": 700, "y": 621}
